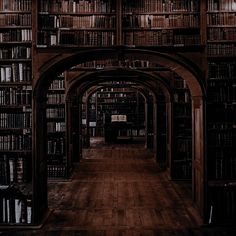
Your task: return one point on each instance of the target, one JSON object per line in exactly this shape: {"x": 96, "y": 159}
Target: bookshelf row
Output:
{"x": 222, "y": 91}
{"x": 73, "y": 6}
{"x": 58, "y": 84}
{"x": 160, "y": 38}
{"x": 82, "y": 38}
{"x": 222, "y": 203}
{"x": 112, "y": 62}
{"x": 161, "y": 21}
{"x": 15, "y": 120}
{"x": 53, "y": 127}
{"x": 223, "y": 168}
{"x": 219, "y": 34}
{"x": 56, "y": 171}
{"x": 76, "y": 22}
{"x": 13, "y": 169}
{"x": 56, "y": 145}
{"x": 58, "y": 112}
{"x": 161, "y": 6}
{"x": 15, "y": 5}
{"x": 55, "y": 98}
{"x": 222, "y": 70}
{"x": 15, "y": 142}
{"x": 15, "y": 209}
{"x": 15, "y": 35}
{"x": 15, "y": 72}
{"x": 222, "y": 49}
{"x": 223, "y": 138}
{"x": 15, "y": 52}
{"x": 15, "y": 95}
{"x": 15, "y": 19}
{"x": 219, "y": 19}
{"x": 221, "y": 113}
{"x": 221, "y": 5}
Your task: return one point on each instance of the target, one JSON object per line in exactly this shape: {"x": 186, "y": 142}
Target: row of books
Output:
{"x": 221, "y": 126}
{"x": 16, "y": 35}
{"x": 181, "y": 98}
{"x": 73, "y": 6}
{"x": 58, "y": 112}
{"x": 56, "y": 170}
{"x": 76, "y": 22}
{"x": 15, "y": 121}
{"x": 20, "y": 19}
{"x": 222, "y": 91}
{"x": 159, "y": 38}
{"x": 155, "y": 21}
{"x": 161, "y": 6}
{"x": 16, "y": 95}
{"x": 222, "y": 70}
{"x": 15, "y": 5}
{"x": 225, "y": 168}
{"x": 221, "y": 5}
{"x": 221, "y": 49}
{"x": 224, "y": 112}
{"x": 180, "y": 83}
{"x": 53, "y": 127}
{"x": 224, "y": 18}
{"x": 182, "y": 169}
{"x": 182, "y": 111}
{"x": 78, "y": 38}
{"x": 117, "y": 94}
{"x": 184, "y": 147}
{"x": 112, "y": 62}
{"x": 222, "y": 203}
{"x": 222, "y": 138}
{"x": 12, "y": 169}
{"x": 56, "y": 146}
{"x": 15, "y": 209}
{"x": 15, "y": 142}
{"x": 57, "y": 84}
{"x": 16, "y": 52}
{"x": 55, "y": 98}
{"x": 221, "y": 34}
{"x": 15, "y": 72}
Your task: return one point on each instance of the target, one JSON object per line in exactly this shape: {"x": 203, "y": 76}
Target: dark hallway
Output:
{"x": 119, "y": 190}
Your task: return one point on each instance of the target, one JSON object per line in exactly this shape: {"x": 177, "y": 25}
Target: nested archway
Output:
{"x": 46, "y": 73}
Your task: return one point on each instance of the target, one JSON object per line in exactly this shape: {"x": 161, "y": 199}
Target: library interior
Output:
{"x": 118, "y": 117}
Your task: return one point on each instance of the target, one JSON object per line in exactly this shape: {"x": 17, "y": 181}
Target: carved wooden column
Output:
{"x": 149, "y": 124}
{"x": 39, "y": 163}
{"x": 198, "y": 152}
{"x": 169, "y": 136}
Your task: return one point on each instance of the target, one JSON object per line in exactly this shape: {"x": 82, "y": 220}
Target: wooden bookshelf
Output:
{"x": 74, "y": 23}
{"x": 156, "y": 23}
{"x": 16, "y": 112}
{"x": 221, "y": 109}
{"x": 55, "y": 114}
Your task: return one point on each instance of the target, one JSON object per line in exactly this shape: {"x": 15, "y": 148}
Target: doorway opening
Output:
{"x": 79, "y": 83}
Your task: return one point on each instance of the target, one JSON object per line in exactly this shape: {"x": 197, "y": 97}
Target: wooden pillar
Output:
{"x": 87, "y": 133}
{"x": 169, "y": 136}
{"x": 39, "y": 163}
{"x": 155, "y": 120}
{"x": 198, "y": 152}
{"x": 149, "y": 124}
{"x": 68, "y": 135}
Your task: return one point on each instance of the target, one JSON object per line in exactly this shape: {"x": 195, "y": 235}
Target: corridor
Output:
{"x": 119, "y": 190}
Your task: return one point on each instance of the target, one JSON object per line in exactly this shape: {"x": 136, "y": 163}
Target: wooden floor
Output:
{"x": 119, "y": 190}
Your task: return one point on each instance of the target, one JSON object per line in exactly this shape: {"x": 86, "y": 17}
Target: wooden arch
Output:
{"x": 47, "y": 71}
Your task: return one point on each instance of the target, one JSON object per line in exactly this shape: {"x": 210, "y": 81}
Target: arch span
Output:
{"x": 49, "y": 70}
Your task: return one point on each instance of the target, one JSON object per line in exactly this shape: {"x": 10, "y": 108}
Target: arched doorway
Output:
{"x": 183, "y": 69}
